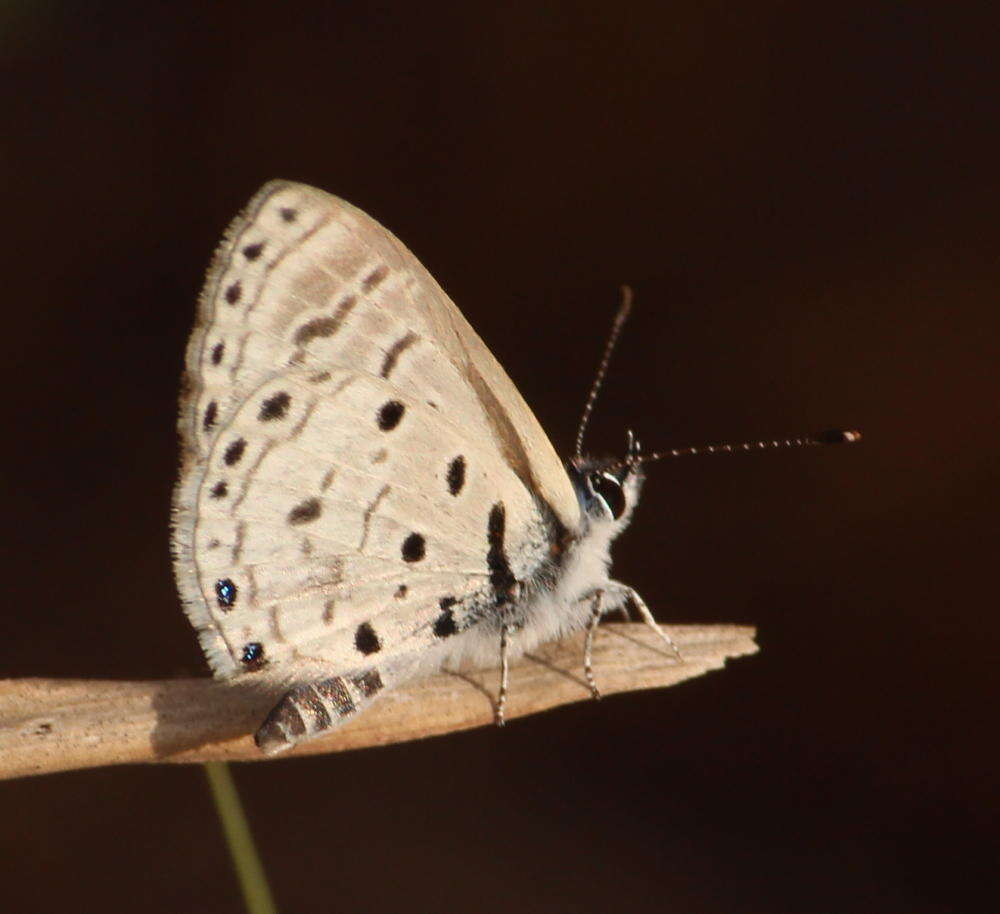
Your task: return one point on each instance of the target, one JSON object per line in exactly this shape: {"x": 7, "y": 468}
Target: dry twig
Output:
{"x": 49, "y": 725}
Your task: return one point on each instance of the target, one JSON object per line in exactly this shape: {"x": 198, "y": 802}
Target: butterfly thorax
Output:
{"x": 607, "y": 490}
{"x": 557, "y": 598}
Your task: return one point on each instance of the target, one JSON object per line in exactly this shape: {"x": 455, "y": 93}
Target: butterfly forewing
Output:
{"x": 298, "y": 254}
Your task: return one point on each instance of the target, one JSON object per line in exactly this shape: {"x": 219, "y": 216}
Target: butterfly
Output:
{"x": 364, "y": 496}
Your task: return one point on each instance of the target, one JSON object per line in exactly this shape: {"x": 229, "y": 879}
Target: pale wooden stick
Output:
{"x": 51, "y": 725}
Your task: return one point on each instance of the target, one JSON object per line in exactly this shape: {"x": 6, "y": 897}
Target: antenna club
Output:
{"x": 838, "y": 436}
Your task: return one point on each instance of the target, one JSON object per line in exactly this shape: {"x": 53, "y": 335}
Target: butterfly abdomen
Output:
{"x": 310, "y": 710}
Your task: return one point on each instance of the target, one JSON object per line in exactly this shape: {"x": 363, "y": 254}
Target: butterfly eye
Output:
{"x": 609, "y": 490}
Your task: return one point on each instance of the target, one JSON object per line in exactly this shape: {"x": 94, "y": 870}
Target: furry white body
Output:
{"x": 566, "y": 604}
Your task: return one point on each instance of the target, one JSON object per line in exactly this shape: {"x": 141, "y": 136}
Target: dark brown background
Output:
{"x": 806, "y": 204}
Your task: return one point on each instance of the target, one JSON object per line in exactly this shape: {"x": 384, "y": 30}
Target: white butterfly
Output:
{"x": 364, "y": 495}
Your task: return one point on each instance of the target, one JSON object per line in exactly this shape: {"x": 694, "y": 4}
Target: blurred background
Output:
{"x": 804, "y": 199}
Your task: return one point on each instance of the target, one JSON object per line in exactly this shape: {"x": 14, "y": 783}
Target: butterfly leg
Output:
{"x": 597, "y": 610}
{"x": 504, "y": 673}
{"x": 628, "y": 595}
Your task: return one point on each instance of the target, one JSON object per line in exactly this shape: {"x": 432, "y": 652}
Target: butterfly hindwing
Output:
{"x": 342, "y": 513}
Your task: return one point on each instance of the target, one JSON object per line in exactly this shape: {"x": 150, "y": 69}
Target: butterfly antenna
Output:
{"x": 831, "y": 436}
{"x": 616, "y": 327}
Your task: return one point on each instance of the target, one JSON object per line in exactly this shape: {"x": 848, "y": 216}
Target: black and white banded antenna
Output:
{"x": 830, "y": 436}
{"x": 616, "y": 328}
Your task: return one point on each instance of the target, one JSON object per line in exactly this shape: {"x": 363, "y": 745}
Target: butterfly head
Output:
{"x": 608, "y": 487}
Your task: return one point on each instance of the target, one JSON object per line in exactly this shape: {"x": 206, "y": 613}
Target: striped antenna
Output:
{"x": 602, "y": 369}
{"x": 830, "y": 436}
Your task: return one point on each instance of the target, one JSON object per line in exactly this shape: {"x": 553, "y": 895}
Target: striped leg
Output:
{"x": 628, "y": 595}
{"x": 504, "y": 674}
{"x": 597, "y": 610}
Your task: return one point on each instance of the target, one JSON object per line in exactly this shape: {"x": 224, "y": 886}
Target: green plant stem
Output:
{"x": 249, "y": 870}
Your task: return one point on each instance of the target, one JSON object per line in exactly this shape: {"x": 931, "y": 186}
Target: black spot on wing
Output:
{"x": 501, "y": 577}
{"x": 401, "y": 591}
{"x": 325, "y": 326}
{"x": 414, "y": 548}
{"x": 365, "y": 639}
{"x": 233, "y": 293}
{"x": 217, "y": 350}
{"x": 444, "y": 625}
{"x": 219, "y": 490}
{"x": 317, "y": 327}
{"x": 305, "y": 512}
{"x": 395, "y": 351}
{"x": 456, "y": 475}
{"x": 252, "y": 656}
{"x": 390, "y": 414}
{"x": 225, "y": 593}
{"x": 274, "y": 407}
{"x": 234, "y": 452}
{"x": 253, "y": 251}
{"x": 211, "y": 412}
{"x": 374, "y": 279}
{"x": 288, "y": 214}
